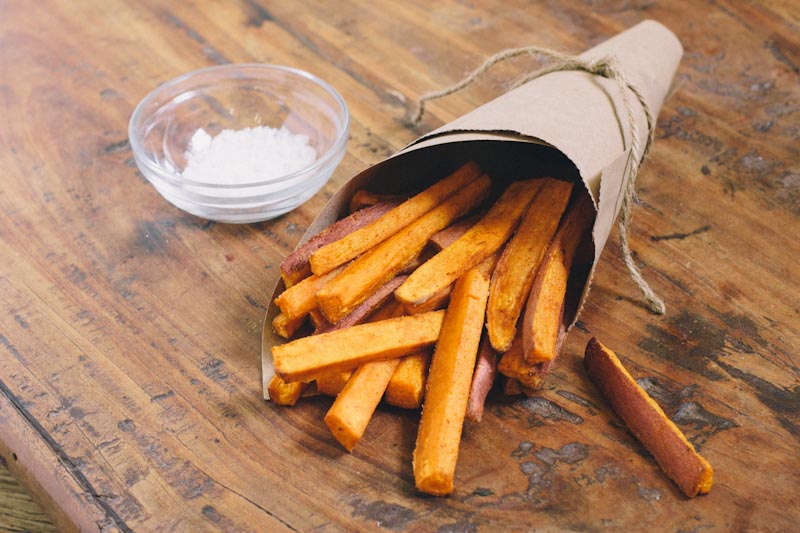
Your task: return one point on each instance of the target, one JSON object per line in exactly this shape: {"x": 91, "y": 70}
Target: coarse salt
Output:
{"x": 248, "y": 155}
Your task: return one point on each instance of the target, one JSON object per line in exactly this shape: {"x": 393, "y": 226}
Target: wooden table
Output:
{"x": 130, "y": 392}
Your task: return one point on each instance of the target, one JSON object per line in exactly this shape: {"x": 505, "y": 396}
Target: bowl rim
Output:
{"x": 175, "y": 178}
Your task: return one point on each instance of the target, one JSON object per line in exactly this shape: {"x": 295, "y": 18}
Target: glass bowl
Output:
{"x": 236, "y": 97}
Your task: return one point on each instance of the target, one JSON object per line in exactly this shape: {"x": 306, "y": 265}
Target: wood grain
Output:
{"x": 18, "y": 512}
{"x": 130, "y": 331}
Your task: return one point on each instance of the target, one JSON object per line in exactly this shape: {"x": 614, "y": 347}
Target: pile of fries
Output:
{"x": 422, "y": 302}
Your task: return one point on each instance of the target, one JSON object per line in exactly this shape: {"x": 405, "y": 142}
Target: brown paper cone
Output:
{"x": 568, "y": 124}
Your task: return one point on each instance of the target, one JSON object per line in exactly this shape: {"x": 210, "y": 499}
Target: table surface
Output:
{"x": 130, "y": 392}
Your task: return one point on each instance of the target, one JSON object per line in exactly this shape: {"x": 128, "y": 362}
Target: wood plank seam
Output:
{"x": 60, "y": 454}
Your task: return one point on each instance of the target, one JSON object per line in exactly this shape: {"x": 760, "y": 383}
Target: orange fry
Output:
{"x": 286, "y": 327}
{"x": 331, "y": 383}
{"x": 366, "y": 308}
{"x": 407, "y": 386}
{"x": 439, "y": 436}
{"x": 541, "y": 323}
{"x": 380, "y": 264}
{"x": 296, "y": 266}
{"x": 478, "y": 243}
{"x": 513, "y": 276}
{"x": 437, "y": 301}
{"x": 307, "y": 357}
{"x": 351, "y": 246}
{"x": 283, "y": 393}
{"x": 298, "y": 300}
{"x": 349, "y": 415}
{"x": 362, "y": 199}
{"x": 513, "y": 365}
{"x": 644, "y": 417}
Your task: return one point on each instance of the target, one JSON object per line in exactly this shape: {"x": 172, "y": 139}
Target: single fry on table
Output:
{"x": 647, "y": 421}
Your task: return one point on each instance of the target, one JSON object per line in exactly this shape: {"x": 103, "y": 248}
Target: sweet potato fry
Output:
{"x": 478, "y": 243}
{"x": 298, "y": 300}
{"x": 441, "y": 298}
{"x": 512, "y": 387}
{"x": 449, "y": 381}
{"x": 441, "y": 240}
{"x": 541, "y": 370}
{"x": 351, "y": 246}
{"x": 331, "y": 383}
{"x": 449, "y": 235}
{"x": 319, "y": 320}
{"x": 390, "y": 309}
{"x": 482, "y": 380}
{"x": 644, "y": 417}
{"x": 544, "y": 310}
{"x": 437, "y": 301}
{"x": 296, "y": 267}
{"x": 414, "y": 264}
{"x": 365, "y": 308}
{"x": 513, "y": 365}
{"x": 304, "y": 358}
{"x": 513, "y": 276}
{"x": 538, "y": 371}
{"x": 488, "y": 265}
{"x": 375, "y": 267}
{"x": 407, "y": 386}
{"x": 286, "y": 327}
{"x": 283, "y": 393}
{"x": 349, "y": 415}
{"x": 362, "y": 199}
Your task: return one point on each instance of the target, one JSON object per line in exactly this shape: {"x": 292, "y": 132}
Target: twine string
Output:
{"x": 606, "y": 67}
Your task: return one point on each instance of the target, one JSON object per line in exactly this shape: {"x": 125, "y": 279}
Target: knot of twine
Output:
{"x": 606, "y": 67}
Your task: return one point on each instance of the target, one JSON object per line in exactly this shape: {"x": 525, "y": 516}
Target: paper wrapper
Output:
{"x": 566, "y": 124}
